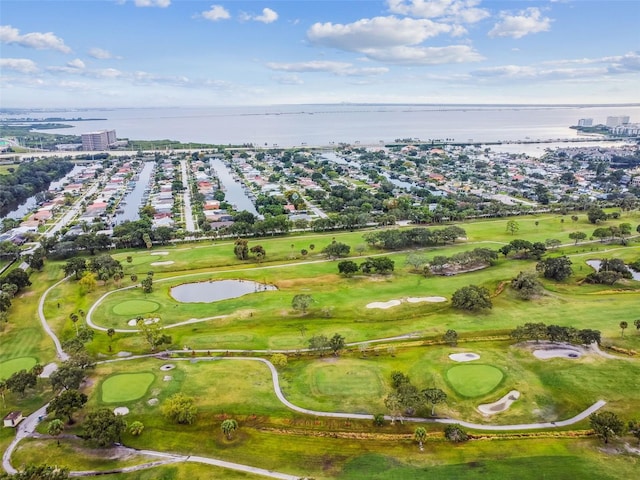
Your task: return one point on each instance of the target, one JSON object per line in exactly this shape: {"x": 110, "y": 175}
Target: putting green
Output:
{"x": 135, "y": 307}
{"x": 126, "y": 387}
{"x": 474, "y": 380}
{"x": 9, "y": 367}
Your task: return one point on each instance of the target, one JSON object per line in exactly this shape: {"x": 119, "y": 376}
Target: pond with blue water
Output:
{"x": 214, "y": 291}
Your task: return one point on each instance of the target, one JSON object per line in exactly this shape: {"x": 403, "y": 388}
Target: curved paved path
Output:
{"x": 62, "y": 355}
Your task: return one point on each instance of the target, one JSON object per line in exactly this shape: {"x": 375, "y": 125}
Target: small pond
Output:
{"x": 214, "y": 291}
{"x": 596, "y": 265}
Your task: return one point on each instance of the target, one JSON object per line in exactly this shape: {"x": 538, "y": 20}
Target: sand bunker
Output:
{"x": 167, "y": 378}
{"x": 385, "y": 305}
{"x": 501, "y": 405}
{"x": 426, "y": 299}
{"x": 167, "y": 367}
{"x": 152, "y": 401}
{"x": 159, "y": 253}
{"x": 464, "y": 357}
{"x": 124, "y": 354}
{"x": 561, "y": 352}
{"x": 121, "y": 410}
{"x": 147, "y": 321}
{"x": 159, "y": 264}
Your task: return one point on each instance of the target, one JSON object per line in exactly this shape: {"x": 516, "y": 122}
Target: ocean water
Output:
{"x": 295, "y": 125}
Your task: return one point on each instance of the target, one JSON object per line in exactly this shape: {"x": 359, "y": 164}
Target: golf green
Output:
{"x": 474, "y": 380}
{"x": 9, "y": 367}
{"x": 135, "y": 307}
{"x": 126, "y": 387}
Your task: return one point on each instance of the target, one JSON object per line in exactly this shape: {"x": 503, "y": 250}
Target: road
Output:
{"x": 72, "y": 212}
{"x": 186, "y": 198}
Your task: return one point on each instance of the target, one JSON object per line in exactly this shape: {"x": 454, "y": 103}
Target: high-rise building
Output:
{"x": 585, "y": 122}
{"x": 619, "y": 120}
{"x": 98, "y": 141}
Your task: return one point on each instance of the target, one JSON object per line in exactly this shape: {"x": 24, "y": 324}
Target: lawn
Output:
{"x": 474, "y": 380}
{"x": 126, "y": 387}
{"x": 9, "y": 367}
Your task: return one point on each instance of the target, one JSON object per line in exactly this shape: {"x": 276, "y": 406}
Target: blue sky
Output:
{"x": 121, "y": 53}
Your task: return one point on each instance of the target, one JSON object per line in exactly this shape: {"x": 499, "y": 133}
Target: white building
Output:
{"x": 98, "y": 141}
{"x": 619, "y": 120}
{"x": 585, "y": 122}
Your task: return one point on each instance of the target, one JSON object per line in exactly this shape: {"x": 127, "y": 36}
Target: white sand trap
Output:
{"x": 121, "y": 410}
{"x": 152, "y": 401}
{"x": 159, "y": 264}
{"x": 167, "y": 378}
{"x": 426, "y": 299}
{"x": 147, "y": 321}
{"x": 48, "y": 369}
{"x": 124, "y": 354}
{"x": 159, "y": 253}
{"x": 464, "y": 357}
{"x": 501, "y": 405}
{"x": 384, "y": 305}
{"x": 544, "y": 354}
{"x": 167, "y": 367}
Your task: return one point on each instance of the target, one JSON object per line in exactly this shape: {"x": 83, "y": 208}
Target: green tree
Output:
{"x": 606, "y": 425}
{"x": 319, "y": 343}
{"x": 147, "y": 284}
{"x": 434, "y": 396}
{"x": 347, "y": 268}
{"x": 68, "y": 376}
{"x": 20, "y": 381}
{"x": 577, "y": 236}
{"x": 228, "y": 427}
{"x": 336, "y": 250}
{"x": 595, "y": 214}
{"x": 88, "y": 281}
{"x": 393, "y": 402}
{"x": 152, "y": 333}
{"x": 103, "y": 427}
{"x": 454, "y": 433}
{"x": 301, "y": 302}
{"x": 451, "y": 337}
{"x": 17, "y": 277}
{"x": 241, "y": 249}
{"x": 74, "y": 318}
{"x": 136, "y": 428}
{"x": 279, "y": 359}
{"x": 471, "y": 298}
{"x": 75, "y": 266}
{"x": 623, "y": 327}
{"x": 336, "y": 343}
{"x": 180, "y": 408}
{"x": 556, "y": 268}
{"x": 637, "y": 323}
{"x": 420, "y": 435}
{"x": 67, "y": 403}
{"x": 526, "y": 285}
{"x": 634, "y": 429}
{"x": 55, "y": 428}
{"x": 513, "y": 227}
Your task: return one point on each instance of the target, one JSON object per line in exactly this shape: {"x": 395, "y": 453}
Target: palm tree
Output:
{"x": 74, "y": 318}
{"x": 623, "y": 326}
{"x": 228, "y": 427}
{"x": 420, "y": 435}
{"x": 55, "y": 428}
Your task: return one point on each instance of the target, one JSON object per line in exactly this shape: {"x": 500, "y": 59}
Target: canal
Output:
{"x": 135, "y": 199}
{"x": 234, "y": 191}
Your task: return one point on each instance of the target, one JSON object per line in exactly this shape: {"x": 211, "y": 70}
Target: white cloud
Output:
{"x": 408, "y": 55}
{"x": 100, "y": 54}
{"x": 37, "y": 40}
{"x": 517, "y": 26}
{"x": 215, "y": 13}
{"x": 268, "y": 16}
{"x": 452, "y": 10}
{"x": 76, "y": 63}
{"x": 22, "y": 65}
{"x": 289, "y": 80}
{"x": 152, "y": 3}
{"x": 377, "y": 32}
{"x": 336, "y": 68}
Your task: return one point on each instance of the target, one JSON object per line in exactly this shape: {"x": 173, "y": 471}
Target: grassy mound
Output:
{"x": 135, "y": 307}
{"x": 126, "y": 387}
{"x": 474, "y": 380}
{"x": 9, "y": 367}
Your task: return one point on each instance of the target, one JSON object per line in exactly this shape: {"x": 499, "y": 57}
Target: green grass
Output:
{"x": 126, "y": 387}
{"x": 135, "y": 307}
{"x": 474, "y": 380}
{"x": 9, "y": 367}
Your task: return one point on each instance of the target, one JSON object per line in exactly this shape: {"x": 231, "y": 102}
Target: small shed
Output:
{"x": 13, "y": 419}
